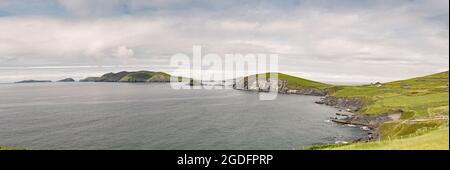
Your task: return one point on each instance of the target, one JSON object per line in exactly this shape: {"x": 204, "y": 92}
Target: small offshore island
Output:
{"x": 34, "y": 81}
{"x": 45, "y": 81}
{"x": 67, "y": 80}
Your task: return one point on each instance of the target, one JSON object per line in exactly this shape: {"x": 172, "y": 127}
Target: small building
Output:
{"x": 378, "y": 84}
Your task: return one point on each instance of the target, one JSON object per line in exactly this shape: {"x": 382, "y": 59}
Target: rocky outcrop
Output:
{"x": 352, "y": 106}
{"x": 263, "y": 85}
{"x": 349, "y": 104}
{"x": 67, "y": 80}
{"x": 369, "y": 121}
{"x": 310, "y": 92}
{"x": 283, "y": 86}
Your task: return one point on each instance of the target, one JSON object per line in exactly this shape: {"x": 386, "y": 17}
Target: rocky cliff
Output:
{"x": 285, "y": 84}
{"x": 349, "y": 104}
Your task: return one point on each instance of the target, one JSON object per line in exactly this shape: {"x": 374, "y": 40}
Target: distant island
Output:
{"x": 135, "y": 77}
{"x": 34, "y": 81}
{"x": 67, "y": 80}
{"x": 132, "y": 77}
{"x": 126, "y": 76}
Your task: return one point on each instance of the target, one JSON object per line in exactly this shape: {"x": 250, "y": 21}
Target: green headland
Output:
{"x": 421, "y": 105}
{"x": 424, "y": 106}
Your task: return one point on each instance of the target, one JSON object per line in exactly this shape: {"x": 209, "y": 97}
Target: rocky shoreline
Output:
{"x": 348, "y": 107}
{"x": 347, "y": 115}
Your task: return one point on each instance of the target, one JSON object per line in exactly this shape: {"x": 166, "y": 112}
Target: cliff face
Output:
{"x": 311, "y": 92}
{"x": 281, "y": 86}
{"x": 349, "y": 104}
{"x": 285, "y": 84}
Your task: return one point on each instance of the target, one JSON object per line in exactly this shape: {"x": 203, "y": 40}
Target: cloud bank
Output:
{"x": 322, "y": 40}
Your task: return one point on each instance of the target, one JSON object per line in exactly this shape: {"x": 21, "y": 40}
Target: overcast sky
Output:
{"x": 324, "y": 40}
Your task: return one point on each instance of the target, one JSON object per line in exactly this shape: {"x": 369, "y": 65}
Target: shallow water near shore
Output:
{"x": 154, "y": 116}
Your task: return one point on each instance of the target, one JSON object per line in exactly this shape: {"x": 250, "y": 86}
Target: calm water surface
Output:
{"x": 154, "y": 116}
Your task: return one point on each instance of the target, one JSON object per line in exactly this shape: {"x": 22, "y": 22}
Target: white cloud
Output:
{"x": 124, "y": 54}
{"x": 391, "y": 41}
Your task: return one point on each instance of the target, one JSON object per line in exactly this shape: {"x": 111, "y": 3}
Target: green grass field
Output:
{"x": 434, "y": 140}
{"x": 6, "y": 149}
{"x": 422, "y": 98}
{"x": 296, "y": 83}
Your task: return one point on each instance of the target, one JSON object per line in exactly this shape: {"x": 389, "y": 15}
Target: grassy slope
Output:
{"x": 296, "y": 83}
{"x": 140, "y": 75}
{"x": 420, "y": 98}
{"x": 423, "y": 96}
{"x": 434, "y": 140}
{"x": 4, "y": 149}
{"x": 299, "y": 83}
{"x": 145, "y": 76}
{"x": 160, "y": 76}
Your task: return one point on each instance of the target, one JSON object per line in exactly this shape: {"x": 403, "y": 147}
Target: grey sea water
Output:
{"x": 154, "y": 116}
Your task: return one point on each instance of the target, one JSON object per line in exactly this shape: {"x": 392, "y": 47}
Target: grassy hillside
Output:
{"x": 421, "y": 97}
{"x": 294, "y": 83}
{"x": 425, "y": 105}
{"x": 434, "y": 140}
{"x": 146, "y": 76}
{"x": 139, "y": 76}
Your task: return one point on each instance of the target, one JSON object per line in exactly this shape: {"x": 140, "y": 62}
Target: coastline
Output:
{"x": 285, "y": 115}
{"x": 348, "y": 115}
{"x": 354, "y": 110}
{"x": 345, "y": 116}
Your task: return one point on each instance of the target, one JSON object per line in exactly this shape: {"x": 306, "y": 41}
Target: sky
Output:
{"x": 323, "y": 40}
